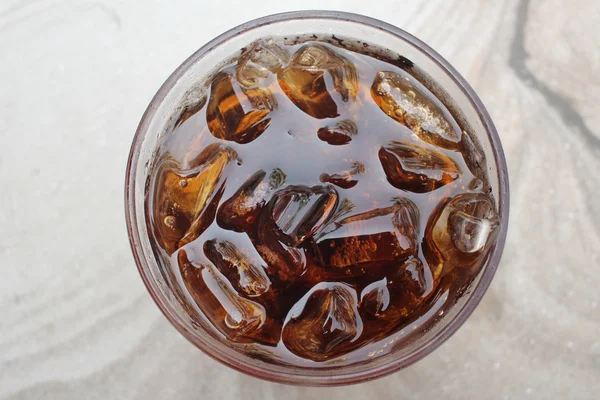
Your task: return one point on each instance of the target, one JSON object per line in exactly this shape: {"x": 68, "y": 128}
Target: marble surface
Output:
{"x": 76, "y": 321}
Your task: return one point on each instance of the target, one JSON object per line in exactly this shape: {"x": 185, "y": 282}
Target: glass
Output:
{"x": 170, "y": 98}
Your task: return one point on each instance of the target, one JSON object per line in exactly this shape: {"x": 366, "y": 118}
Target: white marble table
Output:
{"x": 75, "y": 319}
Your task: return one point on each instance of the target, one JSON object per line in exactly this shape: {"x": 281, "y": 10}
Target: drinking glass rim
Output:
{"x": 220, "y": 354}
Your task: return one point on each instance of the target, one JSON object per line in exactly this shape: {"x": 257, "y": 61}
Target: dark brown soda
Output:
{"x": 315, "y": 198}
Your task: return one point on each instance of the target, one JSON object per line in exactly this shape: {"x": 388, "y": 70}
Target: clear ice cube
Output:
{"x": 375, "y": 298}
{"x": 397, "y": 295}
{"x": 407, "y": 101}
{"x": 460, "y": 232}
{"x": 374, "y": 238}
{"x": 240, "y": 212}
{"x": 260, "y": 59}
{"x": 417, "y": 169}
{"x": 185, "y": 201}
{"x": 313, "y": 74}
{"x": 324, "y": 323}
{"x": 243, "y": 267}
{"x": 192, "y": 102}
{"x": 297, "y": 212}
{"x": 285, "y": 263}
{"x": 235, "y": 113}
{"x": 237, "y": 318}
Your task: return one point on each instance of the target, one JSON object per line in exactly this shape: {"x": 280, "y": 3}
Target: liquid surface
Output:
{"x": 313, "y": 200}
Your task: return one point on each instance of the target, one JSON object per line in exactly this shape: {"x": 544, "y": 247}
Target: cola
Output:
{"x": 315, "y": 198}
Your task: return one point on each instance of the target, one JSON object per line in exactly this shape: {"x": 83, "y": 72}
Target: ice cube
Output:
{"x": 243, "y": 267}
{"x": 259, "y": 271}
{"x": 375, "y": 298}
{"x": 241, "y": 211}
{"x": 374, "y": 238}
{"x": 306, "y": 80}
{"x": 285, "y": 263}
{"x": 469, "y": 234}
{"x": 410, "y": 103}
{"x": 235, "y": 113}
{"x": 239, "y": 319}
{"x": 346, "y": 179}
{"x": 460, "y": 232}
{"x": 296, "y": 212}
{"x": 185, "y": 201}
{"x": 412, "y": 277}
{"x": 338, "y": 134}
{"x": 397, "y": 295}
{"x": 324, "y": 323}
{"x": 259, "y": 60}
{"x": 409, "y": 285}
{"x": 192, "y": 102}
{"x": 201, "y": 185}
{"x": 169, "y": 222}
{"x": 417, "y": 169}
